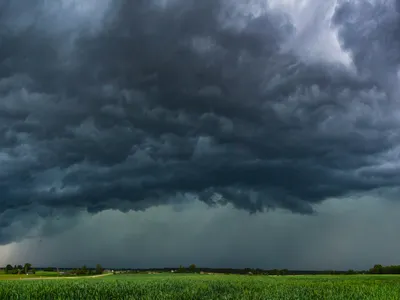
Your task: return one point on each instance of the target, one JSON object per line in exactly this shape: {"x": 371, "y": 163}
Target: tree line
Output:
{"x": 193, "y": 269}
{"x": 87, "y": 271}
{"x": 84, "y": 270}
{"x": 379, "y": 269}
{"x": 27, "y": 268}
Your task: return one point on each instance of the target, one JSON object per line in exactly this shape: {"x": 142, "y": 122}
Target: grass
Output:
{"x": 180, "y": 286}
{"x": 39, "y": 274}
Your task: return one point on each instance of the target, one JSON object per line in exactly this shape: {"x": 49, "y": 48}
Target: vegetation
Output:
{"x": 195, "y": 286}
{"x": 86, "y": 271}
{"x": 198, "y": 283}
{"x": 379, "y": 269}
{"x": 191, "y": 269}
{"x": 9, "y": 269}
{"x": 99, "y": 269}
{"x": 50, "y": 271}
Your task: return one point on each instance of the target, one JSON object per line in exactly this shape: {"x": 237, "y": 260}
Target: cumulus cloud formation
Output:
{"x": 132, "y": 104}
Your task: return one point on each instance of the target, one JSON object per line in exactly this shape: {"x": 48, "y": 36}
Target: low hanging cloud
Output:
{"x": 132, "y": 104}
{"x": 338, "y": 238}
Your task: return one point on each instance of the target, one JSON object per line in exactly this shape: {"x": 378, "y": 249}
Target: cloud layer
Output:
{"x": 338, "y": 238}
{"x": 132, "y": 104}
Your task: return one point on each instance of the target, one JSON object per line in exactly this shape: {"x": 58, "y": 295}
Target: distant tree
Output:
{"x": 258, "y": 271}
{"x": 275, "y": 272}
{"x": 8, "y": 269}
{"x": 14, "y": 270}
{"x": 99, "y": 269}
{"x": 377, "y": 269}
{"x": 192, "y": 268}
{"x": 181, "y": 269}
{"x": 27, "y": 267}
{"x": 20, "y": 269}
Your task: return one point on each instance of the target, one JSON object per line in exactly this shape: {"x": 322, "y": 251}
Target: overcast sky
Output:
{"x": 223, "y": 133}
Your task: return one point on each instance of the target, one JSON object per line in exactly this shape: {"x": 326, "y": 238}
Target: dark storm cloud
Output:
{"x": 338, "y": 238}
{"x": 130, "y": 104}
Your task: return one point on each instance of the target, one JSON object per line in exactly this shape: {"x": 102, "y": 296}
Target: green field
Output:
{"x": 4, "y": 276}
{"x": 175, "y": 286}
{"x": 39, "y": 274}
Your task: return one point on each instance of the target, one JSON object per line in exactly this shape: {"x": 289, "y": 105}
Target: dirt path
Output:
{"x": 65, "y": 277}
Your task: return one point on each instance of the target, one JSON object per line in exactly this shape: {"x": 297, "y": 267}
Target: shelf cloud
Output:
{"x": 129, "y": 105}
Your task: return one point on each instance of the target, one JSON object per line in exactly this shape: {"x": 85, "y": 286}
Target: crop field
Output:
{"x": 175, "y": 286}
{"x": 39, "y": 274}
